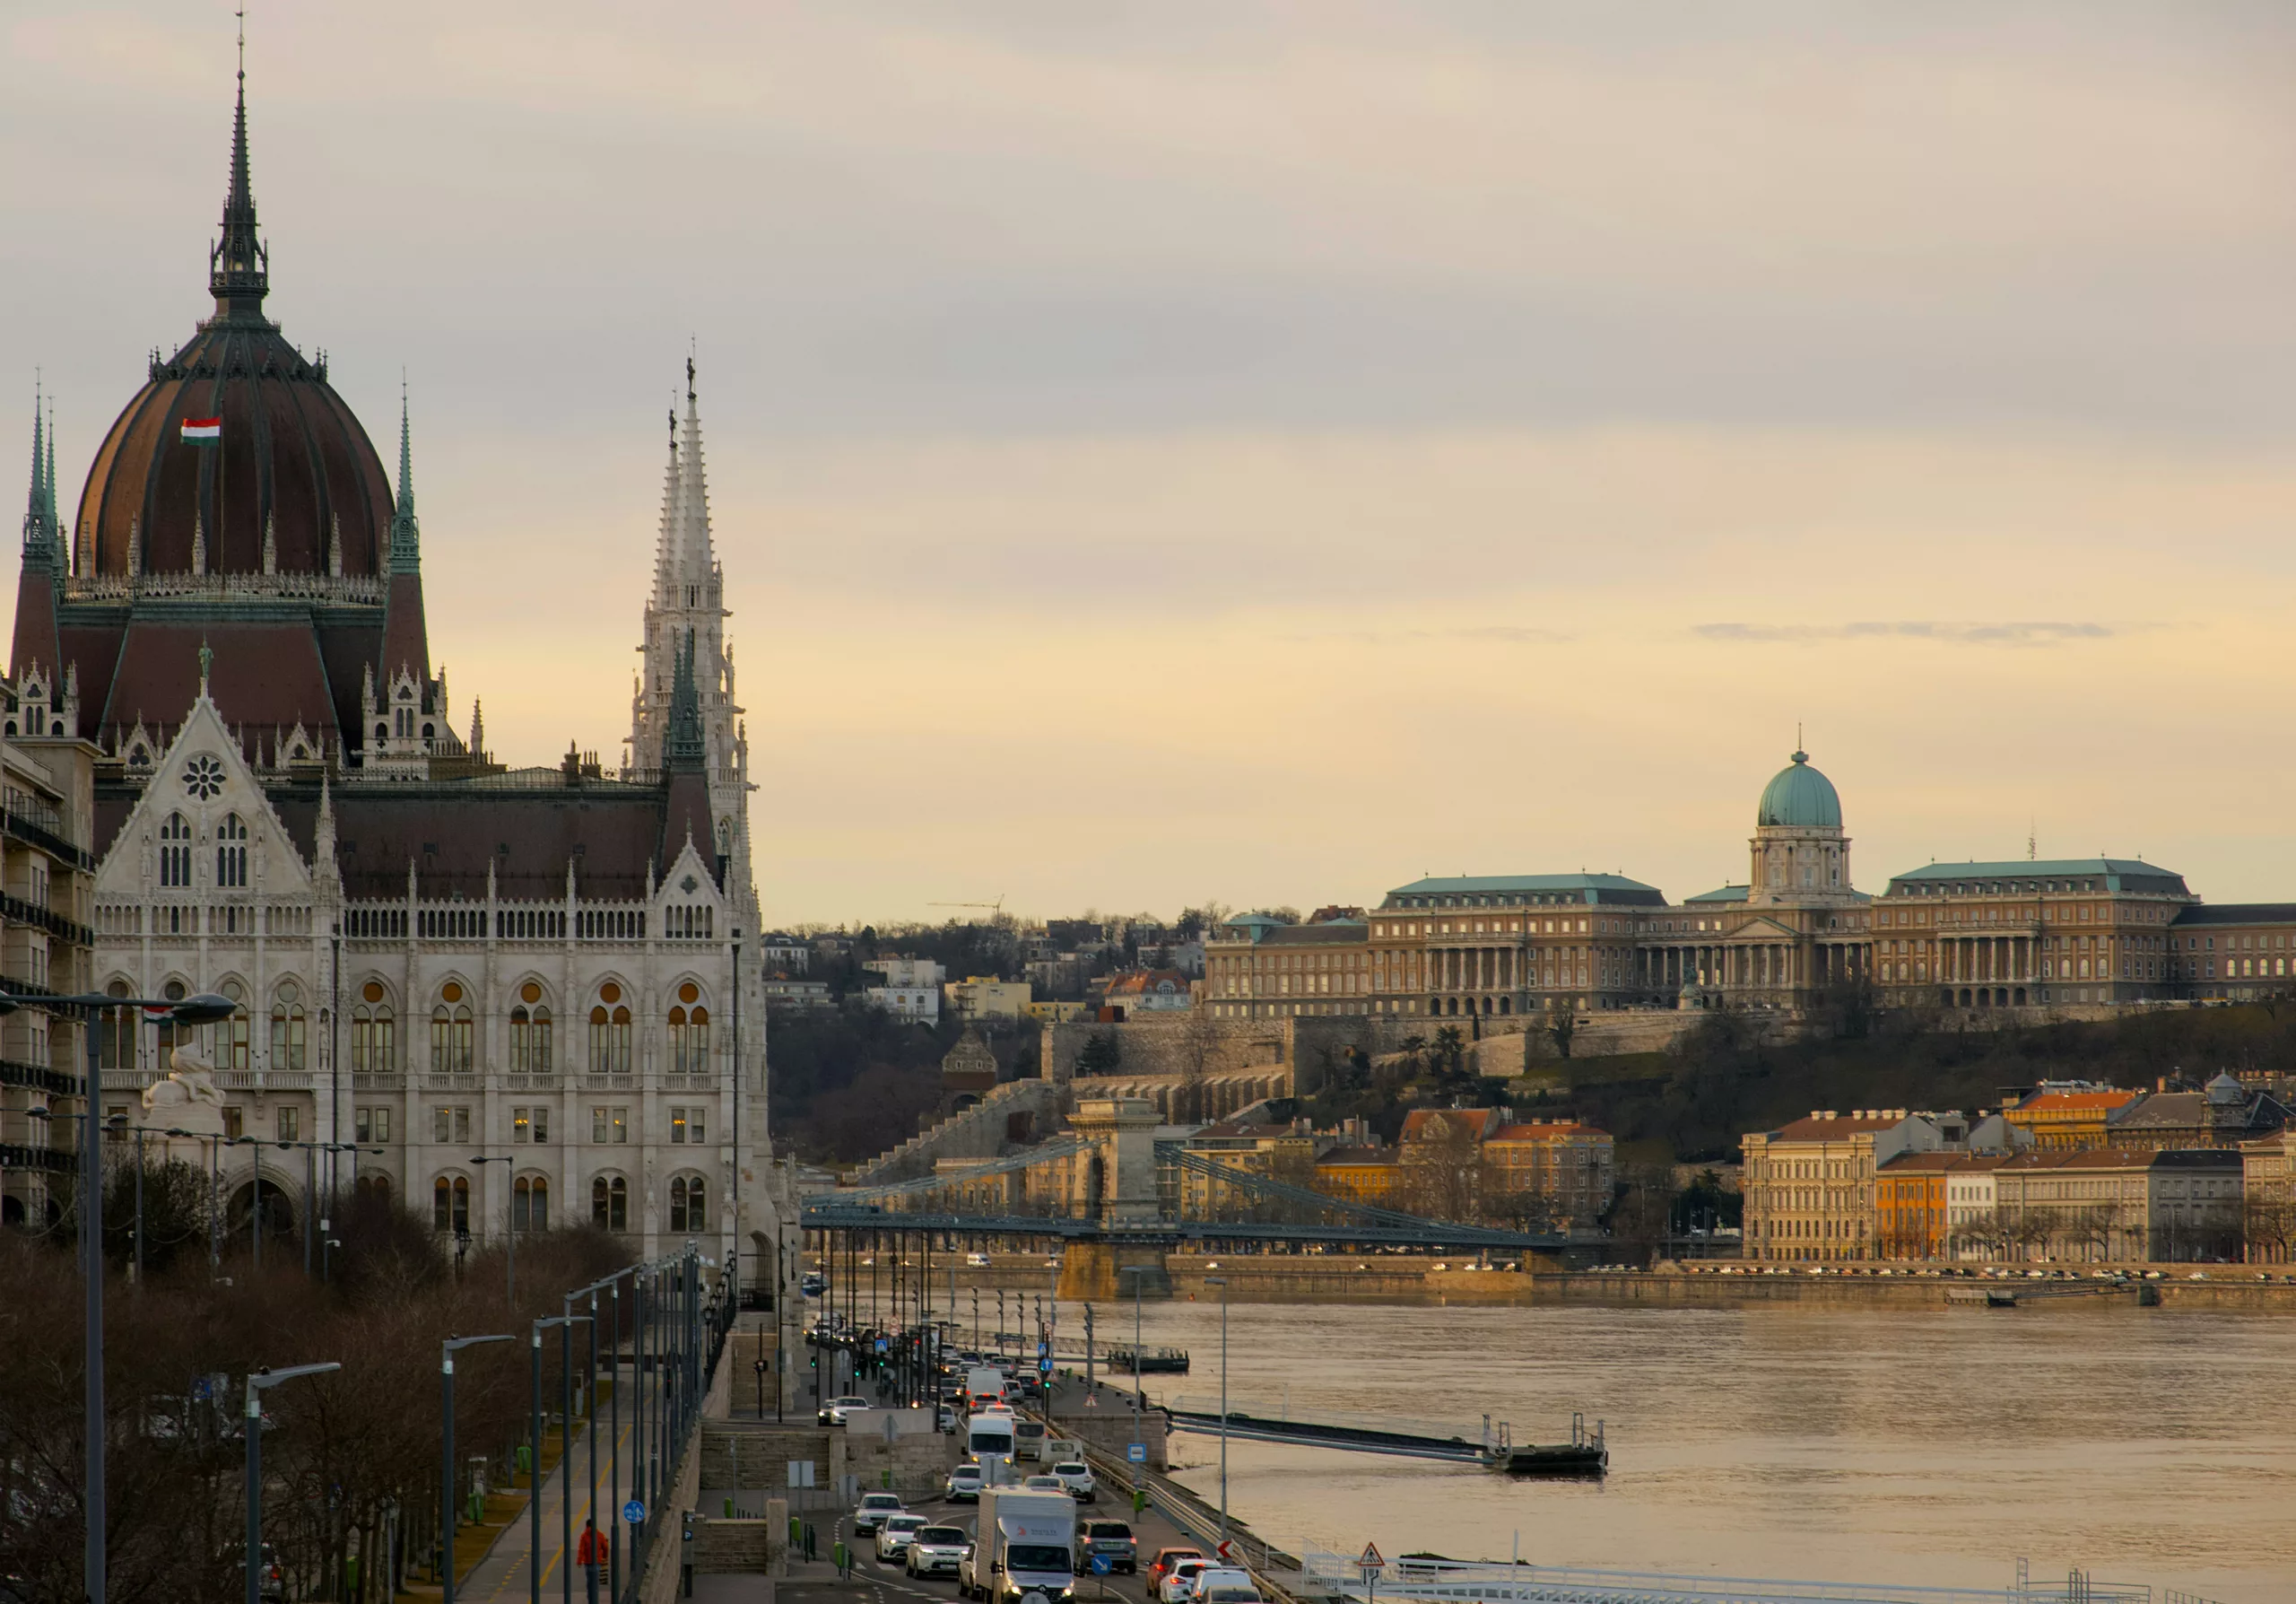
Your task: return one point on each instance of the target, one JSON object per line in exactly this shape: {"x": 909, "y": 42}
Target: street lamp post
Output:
{"x": 447, "y": 1487}
{"x": 258, "y": 1382}
{"x": 509, "y": 1230}
{"x": 614, "y": 1449}
{"x": 201, "y": 1009}
{"x": 533, "y": 1502}
{"x": 740, "y": 1080}
{"x": 1222, "y": 1283}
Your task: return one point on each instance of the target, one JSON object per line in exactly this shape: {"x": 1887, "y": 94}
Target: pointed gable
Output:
{"x": 204, "y": 779}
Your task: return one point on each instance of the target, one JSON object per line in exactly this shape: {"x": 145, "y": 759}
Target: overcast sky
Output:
{"x": 1267, "y": 452}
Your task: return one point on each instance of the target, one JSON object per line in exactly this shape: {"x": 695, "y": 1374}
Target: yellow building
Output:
{"x": 987, "y": 998}
{"x": 2068, "y": 1115}
{"x": 1810, "y": 1185}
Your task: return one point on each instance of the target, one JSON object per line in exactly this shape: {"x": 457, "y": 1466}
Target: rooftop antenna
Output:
{"x": 2033, "y": 840}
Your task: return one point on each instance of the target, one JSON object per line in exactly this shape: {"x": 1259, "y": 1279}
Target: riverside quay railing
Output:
{"x": 1330, "y": 1572}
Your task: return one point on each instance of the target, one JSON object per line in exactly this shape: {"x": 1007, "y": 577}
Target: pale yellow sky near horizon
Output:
{"x": 1265, "y": 452}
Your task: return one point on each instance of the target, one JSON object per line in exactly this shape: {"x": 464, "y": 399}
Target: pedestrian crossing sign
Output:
{"x": 1370, "y": 1560}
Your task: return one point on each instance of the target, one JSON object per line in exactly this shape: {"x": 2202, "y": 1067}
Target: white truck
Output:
{"x": 1023, "y": 1549}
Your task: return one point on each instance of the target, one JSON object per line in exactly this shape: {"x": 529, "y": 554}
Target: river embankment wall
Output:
{"x": 1378, "y": 1280}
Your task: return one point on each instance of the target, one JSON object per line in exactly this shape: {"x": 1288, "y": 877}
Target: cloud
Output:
{"x": 1949, "y": 633}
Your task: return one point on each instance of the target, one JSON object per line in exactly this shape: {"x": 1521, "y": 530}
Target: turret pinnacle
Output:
{"x": 38, "y": 527}
{"x": 238, "y": 267}
{"x": 406, "y": 533}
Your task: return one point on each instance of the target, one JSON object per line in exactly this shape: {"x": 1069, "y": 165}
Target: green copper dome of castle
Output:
{"x": 1800, "y": 797}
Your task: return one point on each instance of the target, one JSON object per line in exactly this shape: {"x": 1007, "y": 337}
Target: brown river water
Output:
{"x": 1913, "y": 1446}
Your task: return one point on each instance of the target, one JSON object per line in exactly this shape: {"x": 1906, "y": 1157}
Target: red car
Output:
{"x": 1166, "y": 1558}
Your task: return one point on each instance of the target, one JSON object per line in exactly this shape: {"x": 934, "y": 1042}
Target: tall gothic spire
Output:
{"x": 406, "y": 532}
{"x": 692, "y": 561}
{"x": 39, "y": 522}
{"x": 238, "y": 267}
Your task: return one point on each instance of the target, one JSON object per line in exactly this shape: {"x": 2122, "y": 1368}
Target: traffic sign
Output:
{"x": 633, "y": 1512}
{"x": 1370, "y": 1559}
{"x": 1044, "y": 1348}
{"x": 1225, "y": 1549}
{"x": 1137, "y": 1452}
{"x": 1044, "y": 1367}
{"x": 1102, "y": 1564}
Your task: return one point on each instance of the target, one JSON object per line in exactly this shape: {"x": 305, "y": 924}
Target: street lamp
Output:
{"x": 533, "y": 1585}
{"x": 204, "y": 1008}
{"x": 1222, "y": 1283}
{"x": 1137, "y": 1272}
{"x": 509, "y": 1233}
{"x": 446, "y": 1481}
{"x": 253, "y": 1426}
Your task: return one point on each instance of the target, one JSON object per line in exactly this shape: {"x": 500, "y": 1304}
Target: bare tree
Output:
{"x": 2269, "y": 1222}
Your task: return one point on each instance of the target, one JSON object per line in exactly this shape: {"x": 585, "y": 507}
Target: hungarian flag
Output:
{"x": 203, "y": 432}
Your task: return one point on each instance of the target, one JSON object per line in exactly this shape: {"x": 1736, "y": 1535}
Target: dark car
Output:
{"x": 1111, "y": 1539}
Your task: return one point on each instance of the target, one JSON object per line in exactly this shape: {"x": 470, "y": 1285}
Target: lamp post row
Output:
{"x": 670, "y": 1414}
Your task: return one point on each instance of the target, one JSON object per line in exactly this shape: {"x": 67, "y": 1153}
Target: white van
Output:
{"x": 988, "y": 1438}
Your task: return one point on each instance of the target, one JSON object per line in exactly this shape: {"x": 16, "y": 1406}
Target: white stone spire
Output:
{"x": 688, "y": 604}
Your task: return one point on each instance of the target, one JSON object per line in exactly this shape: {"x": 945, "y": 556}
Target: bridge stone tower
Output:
{"x": 1124, "y": 1128}
{"x": 1123, "y": 1169}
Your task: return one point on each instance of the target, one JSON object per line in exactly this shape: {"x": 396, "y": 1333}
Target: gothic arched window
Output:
{"x": 450, "y": 1204}
{"x": 530, "y": 1204}
{"x": 229, "y": 1037}
{"x": 530, "y": 1031}
{"x": 374, "y": 1032}
{"x": 175, "y": 850}
{"x": 610, "y": 1203}
{"x": 688, "y": 1033}
{"x": 287, "y": 1035}
{"x": 451, "y": 1033}
{"x": 609, "y": 1033}
{"x": 116, "y": 1029}
{"x": 232, "y": 851}
{"x": 686, "y": 1210}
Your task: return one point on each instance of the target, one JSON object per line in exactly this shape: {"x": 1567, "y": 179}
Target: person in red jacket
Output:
{"x": 590, "y": 1554}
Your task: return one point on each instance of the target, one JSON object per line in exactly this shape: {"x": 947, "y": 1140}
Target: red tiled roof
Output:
{"x": 2077, "y": 1100}
{"x": 1544, "y": 1131}
{"x": 1417, "y": 1123}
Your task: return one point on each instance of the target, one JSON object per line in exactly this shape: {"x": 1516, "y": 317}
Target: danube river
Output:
{"x": 1901, "y": 1445}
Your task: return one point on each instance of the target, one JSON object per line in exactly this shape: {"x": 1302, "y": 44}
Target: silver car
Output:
{"x": 935, "y": 1550}
{"x": 874, "y": 1508}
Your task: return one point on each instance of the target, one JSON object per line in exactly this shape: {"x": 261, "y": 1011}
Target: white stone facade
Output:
{"x": 587, "y": 1034}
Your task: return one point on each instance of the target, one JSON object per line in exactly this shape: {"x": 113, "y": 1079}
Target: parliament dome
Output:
{"x": 1801, "y": 798}
{"x": 289, "y": 484}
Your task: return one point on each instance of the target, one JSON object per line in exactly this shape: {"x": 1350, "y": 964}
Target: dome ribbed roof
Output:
{"x": 1800, "y": 797}
{"x": 291, "y": 464}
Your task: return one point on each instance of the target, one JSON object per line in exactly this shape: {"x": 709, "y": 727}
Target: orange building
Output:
{"x": 1909, "y": 1205}
{"x": 2069, "y": 1116}
{"x": 1361, "y": 1175}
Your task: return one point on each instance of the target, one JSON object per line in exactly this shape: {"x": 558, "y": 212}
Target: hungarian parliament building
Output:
{"x": 234, "y": 766}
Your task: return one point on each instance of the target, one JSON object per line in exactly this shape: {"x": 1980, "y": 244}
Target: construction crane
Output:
{"x": 998, "y": 906}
